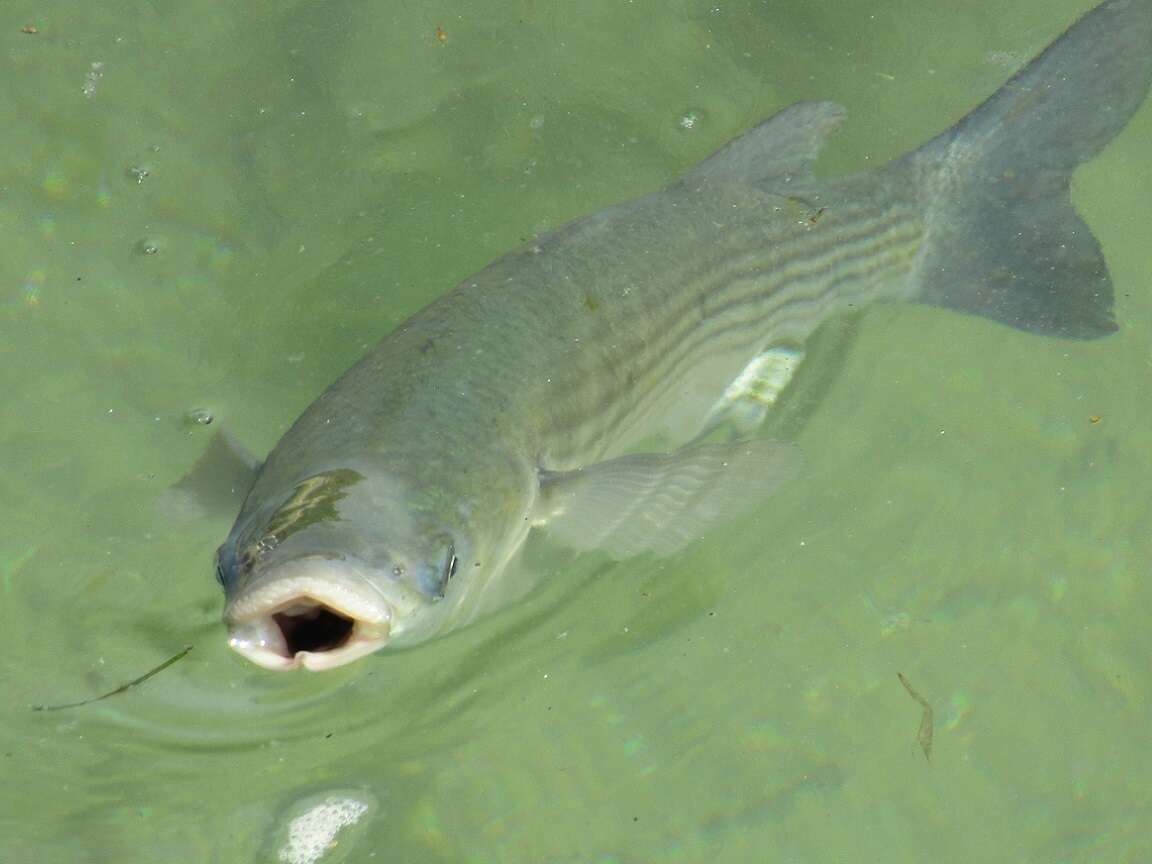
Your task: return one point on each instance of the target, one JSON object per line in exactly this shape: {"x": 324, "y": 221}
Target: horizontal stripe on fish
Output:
{"x": 755, "y": 300}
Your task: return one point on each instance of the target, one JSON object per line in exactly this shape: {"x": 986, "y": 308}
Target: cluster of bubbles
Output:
{"x": 313, "y": 833}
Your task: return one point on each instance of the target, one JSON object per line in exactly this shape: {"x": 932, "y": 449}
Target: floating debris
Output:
{"x": 123, "y": 687}
{"x": 924, "y": 733}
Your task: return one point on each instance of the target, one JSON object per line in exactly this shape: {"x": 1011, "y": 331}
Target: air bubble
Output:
{"x": 92, "y": 78}
{"x": 200, "y": 417}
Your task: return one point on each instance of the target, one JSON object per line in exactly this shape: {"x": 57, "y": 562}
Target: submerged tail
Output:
{"x": 1003, "y": 239}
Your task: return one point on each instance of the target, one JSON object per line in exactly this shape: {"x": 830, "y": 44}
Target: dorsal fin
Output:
{"x": 784, "y": 145}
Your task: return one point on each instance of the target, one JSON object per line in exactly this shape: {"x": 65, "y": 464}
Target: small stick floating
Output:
{"x": 128, "y": 686}
{"x": 924, "y": 734}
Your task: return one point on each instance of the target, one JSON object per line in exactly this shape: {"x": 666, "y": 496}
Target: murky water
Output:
{"x": 216, "y": 207}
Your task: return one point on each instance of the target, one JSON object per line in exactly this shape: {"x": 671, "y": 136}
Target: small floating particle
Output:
{"x": 30, "y": 29}
{"x": 1095, "y": 418}
{"x": 441, "y": 35}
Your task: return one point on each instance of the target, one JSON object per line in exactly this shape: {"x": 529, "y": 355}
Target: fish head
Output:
{"x": 340, "y": 566}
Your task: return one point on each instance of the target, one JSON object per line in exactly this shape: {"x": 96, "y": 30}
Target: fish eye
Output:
{"x": 450, "y": 564}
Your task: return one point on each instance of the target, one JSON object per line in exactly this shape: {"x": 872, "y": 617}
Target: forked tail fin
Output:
{"x": 1003, "y": 238}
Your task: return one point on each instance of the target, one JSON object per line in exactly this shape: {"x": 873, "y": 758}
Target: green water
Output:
{"x": 244, "y": 196}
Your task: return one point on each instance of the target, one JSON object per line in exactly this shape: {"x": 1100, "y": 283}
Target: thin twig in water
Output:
{"x": 133, "y": 683}
{"x": 924, "y": 734}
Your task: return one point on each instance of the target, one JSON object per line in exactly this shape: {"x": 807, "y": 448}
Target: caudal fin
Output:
{"x": 1003, "y": 239}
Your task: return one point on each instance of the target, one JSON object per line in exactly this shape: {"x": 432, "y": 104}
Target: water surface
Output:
{"x": 218, "y": 207}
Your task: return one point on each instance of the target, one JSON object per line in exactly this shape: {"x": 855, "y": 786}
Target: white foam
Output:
{"x": 312, "y": 834}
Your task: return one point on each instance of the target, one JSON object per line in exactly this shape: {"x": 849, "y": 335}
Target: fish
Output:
{"x": 605, "y": 383}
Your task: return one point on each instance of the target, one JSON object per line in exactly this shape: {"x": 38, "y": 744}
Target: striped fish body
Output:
{"x": 554, "y": 387}
{"x": 629, "y": 324}
{"x": 617, "y": 328}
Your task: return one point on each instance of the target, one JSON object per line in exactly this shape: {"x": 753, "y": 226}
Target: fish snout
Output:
{"x": 311, "y": 613}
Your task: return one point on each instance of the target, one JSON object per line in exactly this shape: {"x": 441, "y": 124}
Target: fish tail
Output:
{"x": 1003, "y": 240}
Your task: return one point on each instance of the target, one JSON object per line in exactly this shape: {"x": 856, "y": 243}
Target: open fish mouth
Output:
{"x": 318, "y": 618}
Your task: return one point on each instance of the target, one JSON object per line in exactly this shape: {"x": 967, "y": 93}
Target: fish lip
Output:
{"x": 335, "y": 586}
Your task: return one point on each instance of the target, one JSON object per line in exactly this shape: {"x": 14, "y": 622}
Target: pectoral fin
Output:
{"x": 217, "y": 482}
{"x": 661, "y": 502}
